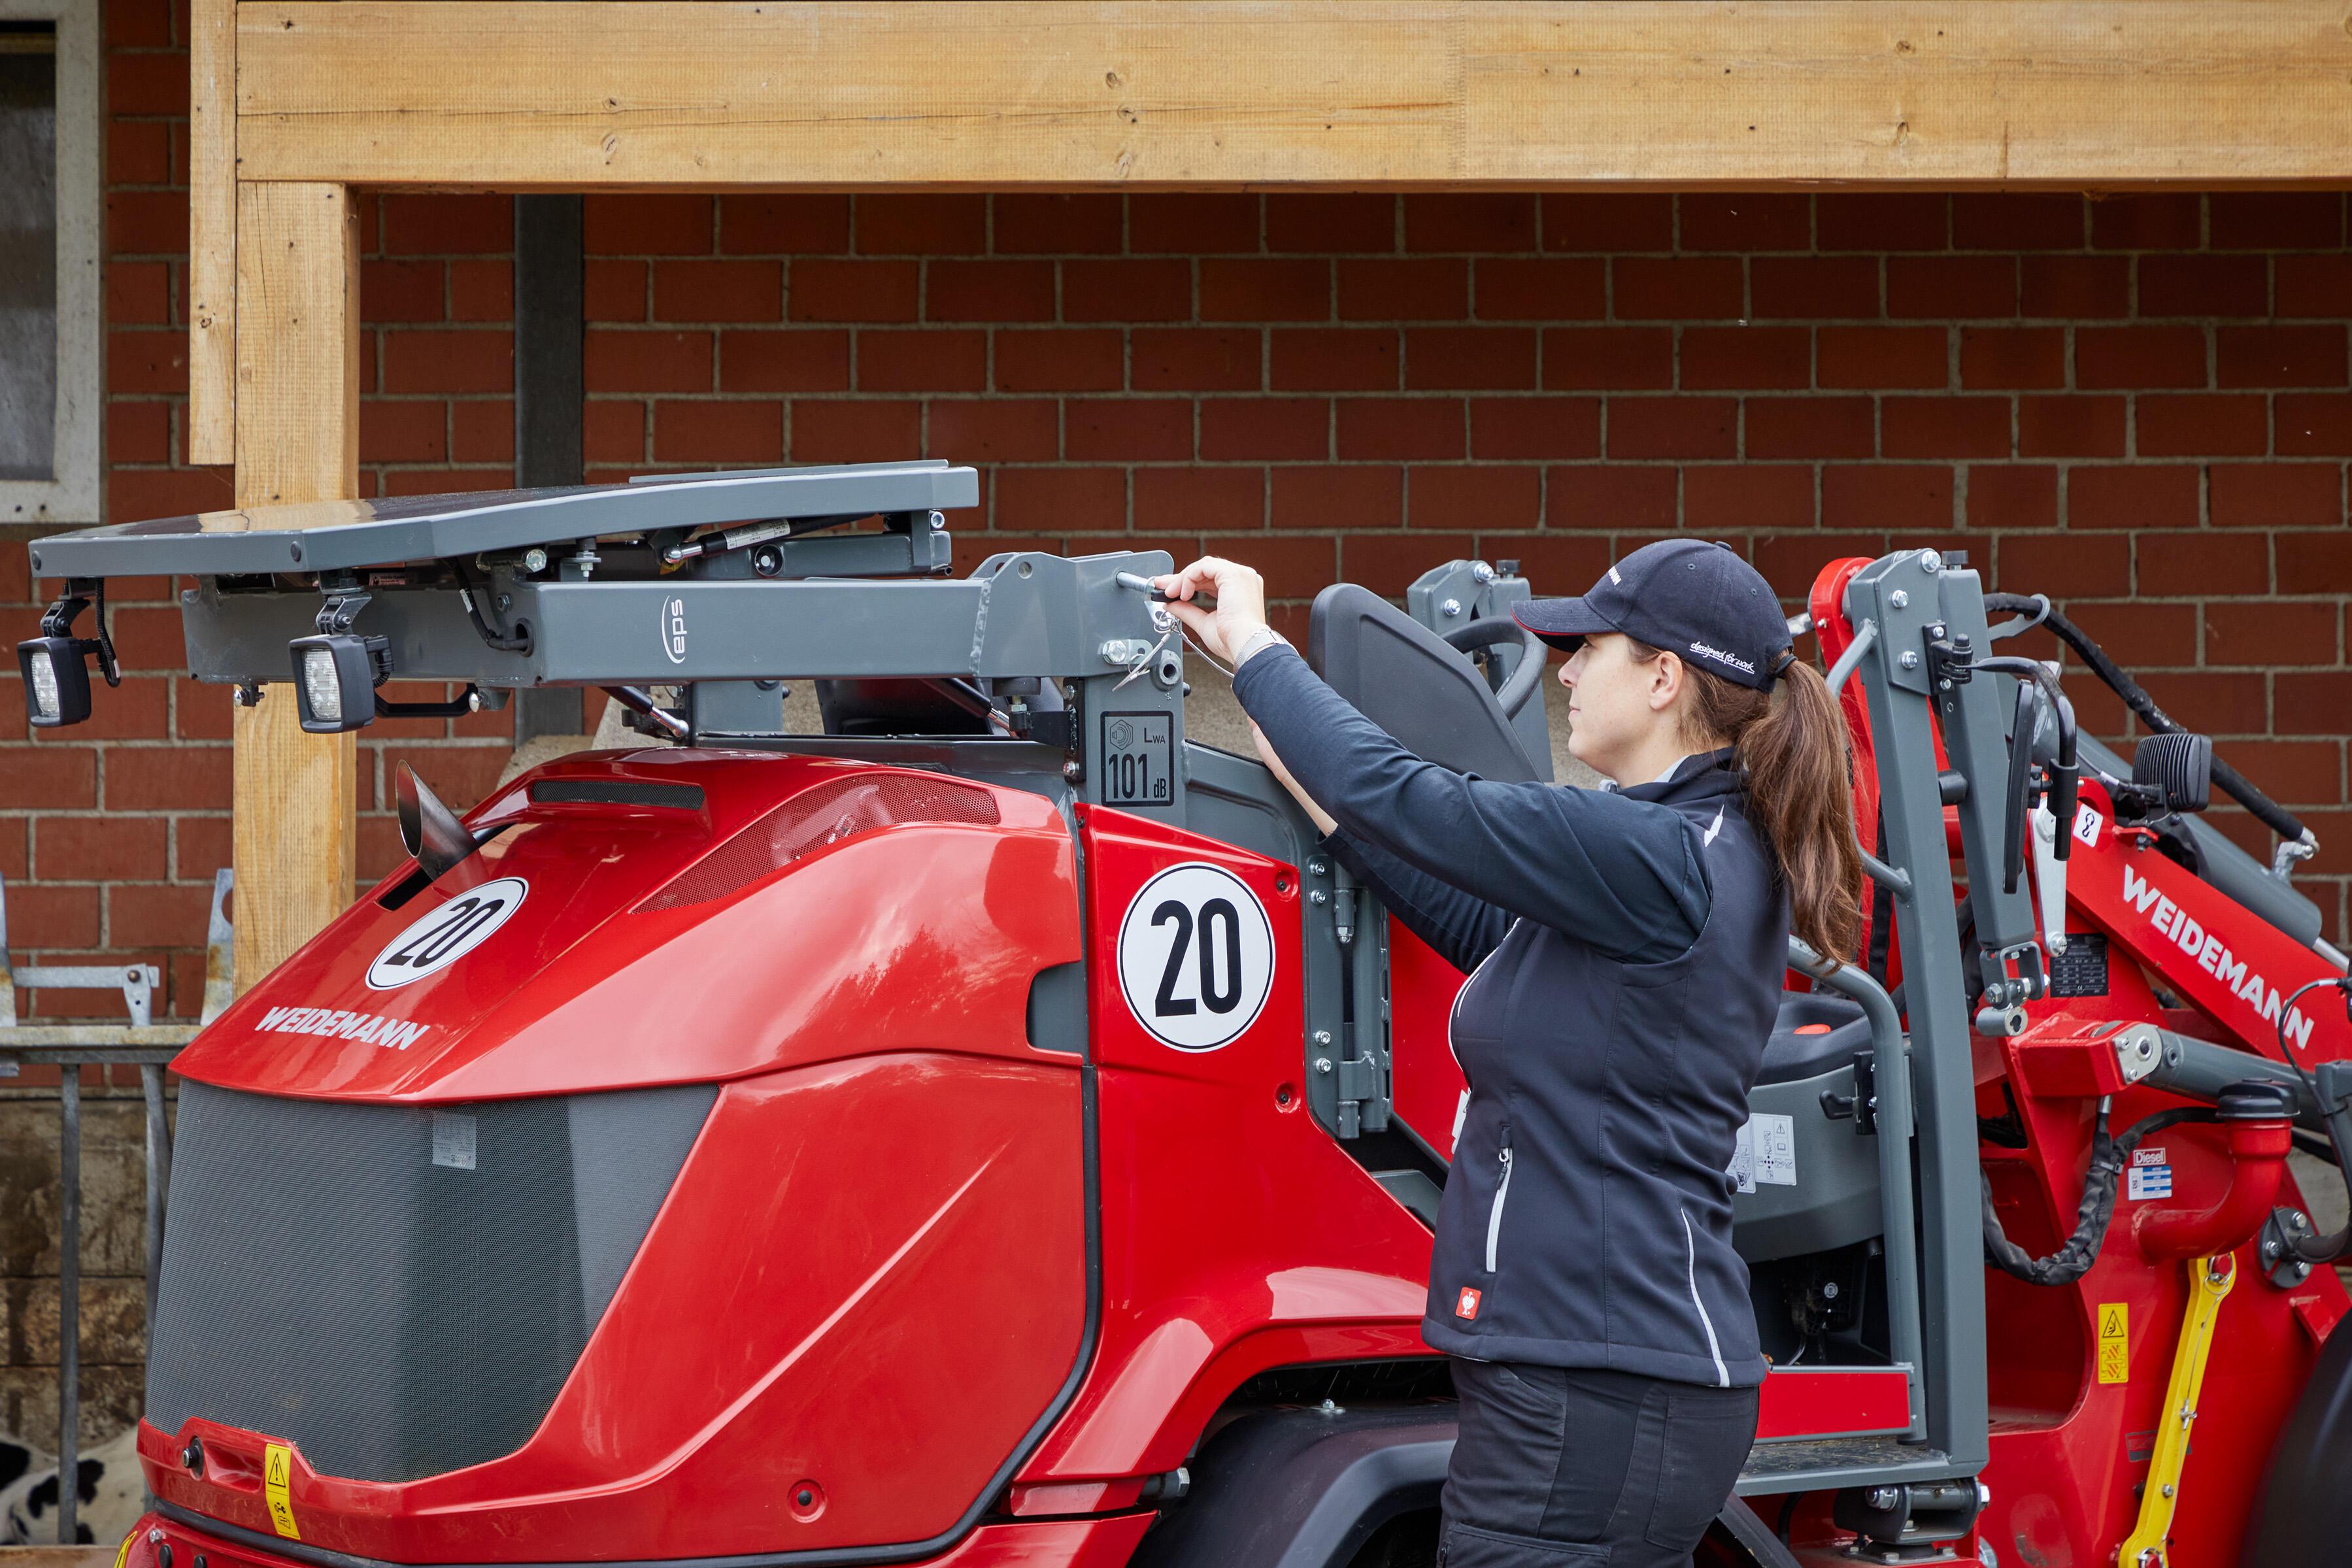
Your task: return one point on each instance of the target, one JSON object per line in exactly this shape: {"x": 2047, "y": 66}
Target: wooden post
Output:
{"x": 210, "y": 431}
{"x": 298, "y": 361}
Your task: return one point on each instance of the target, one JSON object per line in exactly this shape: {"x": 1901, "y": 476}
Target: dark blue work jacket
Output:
{"x": 1625, "y": 951}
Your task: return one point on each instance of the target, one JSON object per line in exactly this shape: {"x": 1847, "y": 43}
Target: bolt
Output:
{"x": 1450, "y": 607}
{"x": 1322, "y": 1064}
{"x": 939, "y": 521}
{"x": 1881, "y": 1499}
{"x": 1072, "y": 771}
{"x": 1329, "y": 1408}
{"x": 1829, "y": 1290}
{"x": 1319, "y": 896}
{"x": 473, "y": 702}
{"x": 505, "y": 602}
{"x": 193, "y": 1456}
{"x": 1899, "y": 598}
{"x": 534, "y": 559}
{"x": 1322, "y": 1037}
{"x": 1481, "y": 572}
{"x": 1910, "y": 660}
{"x": 2167, "y": 1489}
{"x": 1319, "y": 866}
{"x": 1929, "y": 562}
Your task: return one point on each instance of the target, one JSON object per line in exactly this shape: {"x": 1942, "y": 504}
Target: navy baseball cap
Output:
{"x": 1693, "y": 598}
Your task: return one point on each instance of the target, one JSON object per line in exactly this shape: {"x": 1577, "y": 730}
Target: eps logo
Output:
{"x": 447, "y": 934}
{"x": 1195, "y": 957}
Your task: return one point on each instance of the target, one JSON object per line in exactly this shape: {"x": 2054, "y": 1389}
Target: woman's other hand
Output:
{"x": 1240, "y": 611}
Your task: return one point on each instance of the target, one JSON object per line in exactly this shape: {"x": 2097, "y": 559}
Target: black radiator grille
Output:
{"x": 399, "y": 1290}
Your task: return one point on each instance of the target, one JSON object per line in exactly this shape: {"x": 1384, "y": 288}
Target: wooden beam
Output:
{"x": 297, "y": 440}
{"x": 712, "y": 94}
{"x": 209, "y": 429}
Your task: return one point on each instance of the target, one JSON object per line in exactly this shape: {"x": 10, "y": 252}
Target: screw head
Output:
{"x": 192, "y": 1456}
{"x": 1322, "y": 1037}
{"x": 1910, "y": 660}
{"x": 1450, "y": 607}
{"x": 1319, "y": 896}
{"x": 1319, "y": 866}
{"x": 1481, "y": 572}
{"x": 1322, "y": 1064}
{"x": 534, "y": 559}
{"x": 1899, "y": 598}
{"x": 1881, "y": 1498}
{"x": 1929, "y": 562}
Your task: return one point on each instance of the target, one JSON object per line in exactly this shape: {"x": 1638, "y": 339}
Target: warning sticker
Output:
{"x": 2150, "y": 1175}
{"x": 1766, "y": 1152}
{"x": 2115, "y": 1342}
{"x": 277, "y": 1470}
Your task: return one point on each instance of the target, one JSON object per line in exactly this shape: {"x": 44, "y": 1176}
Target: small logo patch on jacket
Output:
{"x": 1467, "y": 1307}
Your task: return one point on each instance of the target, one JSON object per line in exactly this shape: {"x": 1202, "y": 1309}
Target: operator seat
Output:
{"x": 1414, "y": 685}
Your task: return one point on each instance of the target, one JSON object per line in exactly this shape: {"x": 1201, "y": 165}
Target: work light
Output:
{"x": 57, "y": 680}
{"x": 335, "y": 678}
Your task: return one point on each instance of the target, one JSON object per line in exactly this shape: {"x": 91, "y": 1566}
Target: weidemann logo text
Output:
{"x": 2213, "y": 957}
{"x": 368, "y": 1029}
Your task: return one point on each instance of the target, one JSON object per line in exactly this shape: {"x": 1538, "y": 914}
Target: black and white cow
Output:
{"x": 108, "y": 1499}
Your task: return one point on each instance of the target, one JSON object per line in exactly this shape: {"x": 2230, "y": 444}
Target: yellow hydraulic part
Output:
{"x": 2210, "y": 1280}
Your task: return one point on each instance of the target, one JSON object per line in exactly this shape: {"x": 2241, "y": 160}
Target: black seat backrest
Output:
{"x": 1406, "y": 679}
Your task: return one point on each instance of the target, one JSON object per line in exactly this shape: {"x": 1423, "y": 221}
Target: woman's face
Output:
{"x": 1618, "y": 707}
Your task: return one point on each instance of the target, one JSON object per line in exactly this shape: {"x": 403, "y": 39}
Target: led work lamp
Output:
{"x": 55, "y": 663}
{"x": 335, "y": 678}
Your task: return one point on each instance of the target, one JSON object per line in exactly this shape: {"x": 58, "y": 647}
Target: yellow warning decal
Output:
{"x": 122, "y": 1552}
{"x": 277, "y": 1469}
{"x": 2115, "y": 1342}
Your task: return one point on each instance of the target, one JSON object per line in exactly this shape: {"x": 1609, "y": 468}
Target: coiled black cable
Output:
{"x": 2109, "y": 1155}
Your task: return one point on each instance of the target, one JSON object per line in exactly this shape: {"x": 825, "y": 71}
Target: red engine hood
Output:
{"x": 897, "y": 936}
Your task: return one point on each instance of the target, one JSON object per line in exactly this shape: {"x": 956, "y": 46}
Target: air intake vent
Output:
{"x": 825, "y": 814}
{"x": 616, "y": 792}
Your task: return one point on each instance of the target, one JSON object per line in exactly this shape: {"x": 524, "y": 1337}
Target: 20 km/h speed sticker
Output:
{"x": 447, "y": 934}
{"x": 1195, "y": 957}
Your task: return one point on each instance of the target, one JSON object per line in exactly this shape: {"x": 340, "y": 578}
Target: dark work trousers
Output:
{"x": 1577, "y": 1467}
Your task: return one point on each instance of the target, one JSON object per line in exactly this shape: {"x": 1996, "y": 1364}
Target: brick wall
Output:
{"x": 2140, "y": 406}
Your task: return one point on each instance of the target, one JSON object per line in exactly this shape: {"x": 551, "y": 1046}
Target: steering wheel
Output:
{"x": 1493, "y": 631}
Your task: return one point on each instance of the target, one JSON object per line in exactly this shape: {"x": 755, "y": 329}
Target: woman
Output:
{"x": 1625, "y": 948}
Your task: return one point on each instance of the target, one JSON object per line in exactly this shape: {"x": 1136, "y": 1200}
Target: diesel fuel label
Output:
{"x": 1138, "y": 759}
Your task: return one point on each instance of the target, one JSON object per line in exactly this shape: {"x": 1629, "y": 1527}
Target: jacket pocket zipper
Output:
{"x": 1495, "y": 1214}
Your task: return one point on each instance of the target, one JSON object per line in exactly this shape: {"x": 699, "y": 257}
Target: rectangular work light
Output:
{"x": 335, "y": 678}
{"x": 57, "y": 680}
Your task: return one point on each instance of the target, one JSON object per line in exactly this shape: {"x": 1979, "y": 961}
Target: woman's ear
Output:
{"x": 1666, "y": 682}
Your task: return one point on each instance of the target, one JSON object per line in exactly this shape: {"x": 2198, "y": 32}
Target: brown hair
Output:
{"x": 1791, "y": 744}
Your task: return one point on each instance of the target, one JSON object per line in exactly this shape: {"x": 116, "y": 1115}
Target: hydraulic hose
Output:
{"x": 2109, "y": 1155}
{"x": 2270, "y": 814}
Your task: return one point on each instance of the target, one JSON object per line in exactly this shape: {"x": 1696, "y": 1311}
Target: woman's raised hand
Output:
{"x": 1240, "y": 610}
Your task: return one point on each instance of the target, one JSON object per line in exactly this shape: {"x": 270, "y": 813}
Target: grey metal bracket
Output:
{"x": 1453, "y": 595}
{"x": 136, "y": 982}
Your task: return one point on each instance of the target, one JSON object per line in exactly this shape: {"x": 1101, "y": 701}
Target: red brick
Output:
{"x": 1609, "y": 495}
{"x": 445, "y": 225}
{"x": 2012, "y": 495}
{"x": 137, "y": 710}
{"x": 2139, "y": 357}
{"x": 66, "y": 917}
{"x": 2198, "y": 563}
{"x": 1718, "y": 358}
{"x": 164, "y": 492}
{"x": 460, "y": 361}
{"x": 2277, "y": 494}
{"x": 114, "y": 848}
{"x": 1416, "y": 288}
{"x": 1129, "y": 430}
{"x": 1886, "y": 496}
{"x": 2292, "y": 772}
{"x": 2314, "y": 284}
{"x": 1246, "y": 428}
{"x": 1401, "y": 428}
{"x": 1557, "y": 561}
{"x": 2187, "y": 425}
{"x": 1747, "y": 221}
{"x": 1675, "y": 288}
{"x": 2271, "y": 631}
{"x": 1192, "y": 222}
{"x": 2147, "y": 496}
{"x": 614, "y": 432}
{"x": 1193, "y": 497}
{"x": 2012, "y": 357}
{"x": 712, "y": 432}
{"x": 1472, "y": 495}
{"x": 1358, "y": 496}
{"x": 1043, "y": 224}
{"x": 147, "y": 362}
{"x": 1530, "y": 288}
{"x": 138, "y": 292}
{"x": 1062, "y": 499}
{"x": 2277, "y": 220}
{"x": 1332, "y": 359}
{"x": 2147, "y": 222}
{"x": 1589, "y": 224}
{"x": 646, "y": 361}
{"x": 2075, "y": 286}
{"x": 1940, "y": 288}
{"x": 2204, "y": 286}
{"x": 1388, "y": 564}
{"x": 2063, "y": 565}
{"x": 1884, "y": 357}
{"x": 2212, "y": 702}
{"x": 2280, "y": 356}
{"x": 1060, "y": 360}
{"x": 2315, "y": 425}
{"x": 1944, "y": 427}
{"x": 1127, "y": 290}
{"x": 1550, "y": 428}
{"x": 1742, "y": 497}
{"x": 614, "y": 290}
{"x": 435, "y": 481}
{"x": 402, "y": 290}
{"x": 2070, "y": 426}
{"x": 1811, "y": 427}
{"x": 1332, "y": 221}
{"x": 992, "y": 430}
{"x": 1297, "y": 567}
{"x": 1883, "y": 222}
{"x": 138, "y": 23}
{"x": 1285, "y": 290}
{"x": 922, "y": 360}
{"x": 2314, "y": 702}
{"x": 137, "y": 432}
{"x": 138, "y": 153}
{"x": 719, "y": 291}
{"x": 1185, "y": 359}
{"x": 147, "y": 83}
{"x": 482, "y": 429}
{"x": 863, "y": 430}
{"x": 1673, "y": 427}
{"x": 797, "y": 360}
{"x": 989, "y": 291}
{"x": 921, "y": 224}
{"x": 1608, "y": 358}
{"x": 146, "y": 222}
{"x": 1470, "y": 358}
{"x": 403, "y": 431}
{"x": 648, "y": 224}
{"x": 771, "y": 223}
{"x": 824, "y": 290}
{"x": 156, "y": 778}
{"x": 1813, "y": 286}
{"x": 2013, "y": 221}
{"x": 1479, "y": 221}
{"x": 14, "y": 859}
